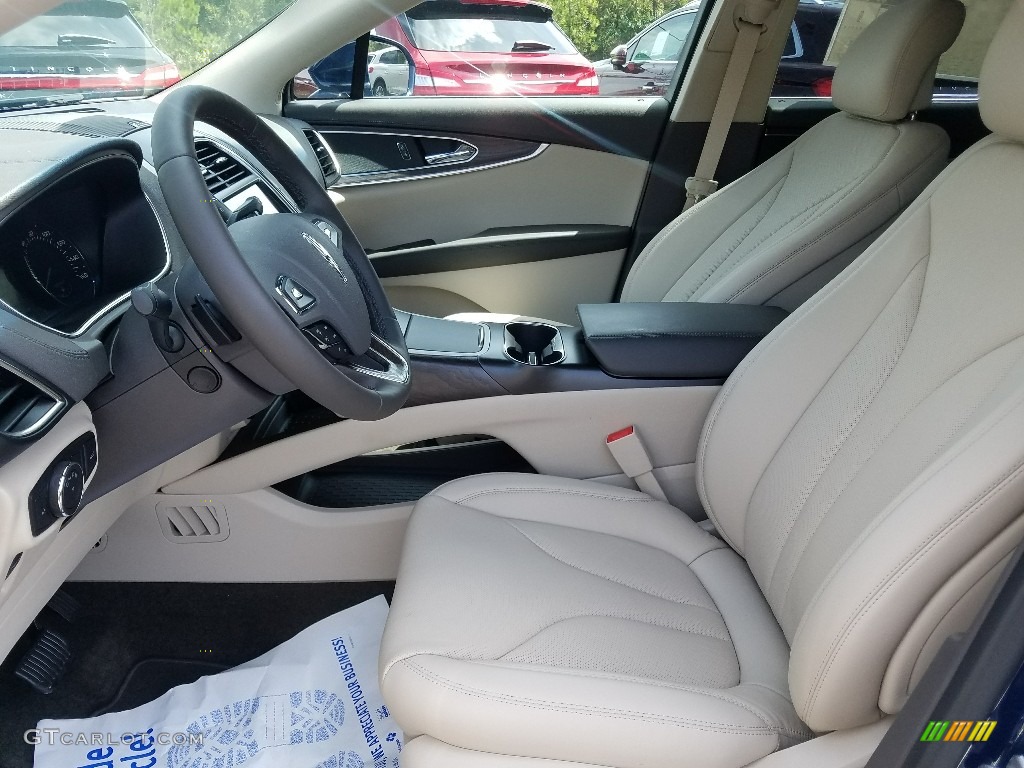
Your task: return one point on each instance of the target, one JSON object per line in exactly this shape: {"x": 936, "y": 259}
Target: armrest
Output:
{"x": 674, "y": 339}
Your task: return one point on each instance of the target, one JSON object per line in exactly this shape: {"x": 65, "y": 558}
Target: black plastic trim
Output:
{"x": 502, "y": 246}
{"x": 674, "y": 339}
{"x": 623, "y": 126}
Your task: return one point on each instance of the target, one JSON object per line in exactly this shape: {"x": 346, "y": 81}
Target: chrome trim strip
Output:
{"x": 355, "y": 179}
{"x": 59, "y": 402}
{"x": 938, "y": 98}
{"x": 115, "y": 303}
{"x": 398, "y": 366}
{"x": 485, "y": 343}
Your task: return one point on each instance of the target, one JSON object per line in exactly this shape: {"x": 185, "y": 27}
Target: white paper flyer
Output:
{"x": 312, "y": 702}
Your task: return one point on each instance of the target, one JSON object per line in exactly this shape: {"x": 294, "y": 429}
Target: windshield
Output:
{"x": 94, "y": 49}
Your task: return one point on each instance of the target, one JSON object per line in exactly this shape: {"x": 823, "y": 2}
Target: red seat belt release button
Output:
{"x": 630, "y": 454}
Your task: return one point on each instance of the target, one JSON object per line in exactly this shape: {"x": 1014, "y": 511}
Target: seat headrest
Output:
{"x": 1002, "y": 78}
{"x": 889, "y": 69}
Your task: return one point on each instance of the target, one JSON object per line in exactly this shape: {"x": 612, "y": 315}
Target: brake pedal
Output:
{"x": 46, "y": 661}
{"x": 65, "y": 606}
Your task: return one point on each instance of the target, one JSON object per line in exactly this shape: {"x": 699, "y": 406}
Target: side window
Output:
{"x": 822, "y": 32}
{"x": 665, "y": 41}
{"x": 510, "y": 47}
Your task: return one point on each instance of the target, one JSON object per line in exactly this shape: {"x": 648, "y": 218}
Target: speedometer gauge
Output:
{"x": 57, "y": 266}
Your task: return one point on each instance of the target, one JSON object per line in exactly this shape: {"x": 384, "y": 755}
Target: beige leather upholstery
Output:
{"x": 889, "y": 70}
{"x": 1002, "y": 86}
{"x": 784, "y": 230}
{"x": 864, "y": 466}
{"x": 603, "y": 604}
{"x": 433, "y": 302}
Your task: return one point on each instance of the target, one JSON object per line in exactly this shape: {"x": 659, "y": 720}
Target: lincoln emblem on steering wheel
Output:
{"x": 323, "y": 252}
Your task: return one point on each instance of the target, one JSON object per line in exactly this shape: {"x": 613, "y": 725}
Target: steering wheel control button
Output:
{"x": 324, "y": 335}
{"x": 67, "y": 486}
{"x": 328, "y": 229}
{"x": 203, "y": 380}
{"x": 297, "y": 297}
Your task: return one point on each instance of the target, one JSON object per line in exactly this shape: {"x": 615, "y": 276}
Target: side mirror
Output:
{"x": 390, "y": 70}
{"x": 618, "y": 56}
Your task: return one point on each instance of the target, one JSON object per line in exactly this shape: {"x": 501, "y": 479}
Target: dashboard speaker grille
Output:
{"x": 324, "y": 156}
{"x": 25, "y": 407}
{"x": 221, "y": 172}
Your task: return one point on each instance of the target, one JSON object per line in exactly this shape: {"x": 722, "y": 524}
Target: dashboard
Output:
{"x": 83, "y": 223}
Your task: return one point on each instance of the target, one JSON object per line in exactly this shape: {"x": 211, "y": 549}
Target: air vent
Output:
{"x": 221, "y": 172}
{"x": 25, "y": 407}
{"x": 193, "y": 523}
{"x": 324, "y": 156}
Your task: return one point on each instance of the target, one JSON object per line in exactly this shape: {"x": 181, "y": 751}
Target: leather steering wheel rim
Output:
{"x": 247, "y": 293}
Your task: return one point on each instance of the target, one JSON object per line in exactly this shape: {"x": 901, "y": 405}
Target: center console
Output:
{"x": 617, "y": 346}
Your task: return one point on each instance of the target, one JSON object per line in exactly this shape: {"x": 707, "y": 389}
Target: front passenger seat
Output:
{"x": 864, "y": 465}
{"x": 782, "y": 231}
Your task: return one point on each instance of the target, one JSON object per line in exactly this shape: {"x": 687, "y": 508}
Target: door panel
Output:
{"x": 545, "y": 289}
{"x": 514, "y": 206}
{"x": 559, "y": 186}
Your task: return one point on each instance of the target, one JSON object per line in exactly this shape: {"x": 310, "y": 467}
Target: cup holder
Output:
{"x": 534, "y": 343}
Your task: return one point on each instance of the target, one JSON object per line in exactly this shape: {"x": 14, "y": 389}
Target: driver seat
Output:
{"x": 865, "y": 470}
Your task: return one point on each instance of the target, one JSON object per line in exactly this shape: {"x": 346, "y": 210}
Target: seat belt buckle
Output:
{"x": 630, "y": 454}
{"x": 697, "y": 189}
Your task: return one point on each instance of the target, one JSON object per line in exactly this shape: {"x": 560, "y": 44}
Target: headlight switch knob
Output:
{"x": 67, "y": 486}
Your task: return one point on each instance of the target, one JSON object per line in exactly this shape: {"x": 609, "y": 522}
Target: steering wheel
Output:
{"x": 299, "y": 287}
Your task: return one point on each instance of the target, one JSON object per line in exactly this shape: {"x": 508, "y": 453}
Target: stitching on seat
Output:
{"x": 685, "y": 216}
{"x": 566, "y": 619}
{"x": 881, "y": 385}
{"x": 617, "y": 714}
{"x": 894, "y": 188}
{"x": 720, "y": 694}
{"x": 553, "y": 492}
{"x": 794, "y": 321}
{"x": 758, "y": 351}
{"x": 613, "y": 580}
{"x": 976, "y": 504}
{"x": 777, "y": 188}
{"x": 811, "y": 211}
{"x": 903, "y": 418}
{"x": 798, "y": 221}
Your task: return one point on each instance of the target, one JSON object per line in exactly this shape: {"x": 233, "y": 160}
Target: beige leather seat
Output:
{"x": 781, "y": 232}
{"x": 864, "y": 466}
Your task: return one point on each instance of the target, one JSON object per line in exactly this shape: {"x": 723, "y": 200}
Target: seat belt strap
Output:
{"x": 630, "y": 454}
{"x": 751, "y": 24}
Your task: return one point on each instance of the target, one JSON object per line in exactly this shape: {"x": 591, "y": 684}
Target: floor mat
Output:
{"x": 151, "y": 678}
{"x": 311, "y": 702}
{"x": 123, "y": 624}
